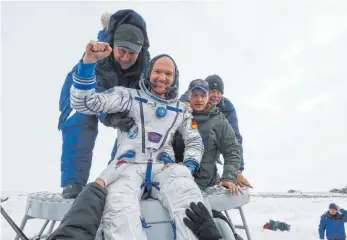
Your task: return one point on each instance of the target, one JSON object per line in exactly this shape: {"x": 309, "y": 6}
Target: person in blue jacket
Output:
{"x": 127, "y": 36}
{"x": 333, "y": 222}
{"x": 105, "y": 18}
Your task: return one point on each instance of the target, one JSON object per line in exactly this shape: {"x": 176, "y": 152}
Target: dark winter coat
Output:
{"x": 83, "y": 219}
{"x": 228, "y": 109}
{"x": 108, "y": 72}
{"x": 333, "y": 225}
{"x": 80, "y": 131}
{"x": 219, "y": 138}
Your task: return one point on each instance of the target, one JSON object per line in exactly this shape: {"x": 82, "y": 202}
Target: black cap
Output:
{"x": 199, "y": 83}
{"x": 128, "y": 36}
{"x": 215, "y": 82}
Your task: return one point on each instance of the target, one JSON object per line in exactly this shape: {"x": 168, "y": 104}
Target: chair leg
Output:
{"x": 230, "y": 221}
{"x": 245, "y": 223}
{"x": 22, "y": 225}
{"x": 43, "y": 229}
{"x": 50, "y": 230}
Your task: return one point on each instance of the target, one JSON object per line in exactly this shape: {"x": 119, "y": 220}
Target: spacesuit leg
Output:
{"x": 122, "y": 213}
{"x": 177, "y": 191}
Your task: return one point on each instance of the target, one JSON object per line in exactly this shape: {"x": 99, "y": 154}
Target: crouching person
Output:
{"x": 143, "y": 152}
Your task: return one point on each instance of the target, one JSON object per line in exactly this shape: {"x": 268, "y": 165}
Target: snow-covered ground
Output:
{"x": 301, "y": 212}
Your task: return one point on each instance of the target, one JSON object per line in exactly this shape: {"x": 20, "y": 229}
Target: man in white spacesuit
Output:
{"x": 145, "y": 158}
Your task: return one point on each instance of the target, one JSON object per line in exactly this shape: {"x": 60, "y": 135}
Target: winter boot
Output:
{"x": 72, "y": 190}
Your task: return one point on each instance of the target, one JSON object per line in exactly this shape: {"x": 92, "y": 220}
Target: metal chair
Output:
{"x": 51, "y": 207}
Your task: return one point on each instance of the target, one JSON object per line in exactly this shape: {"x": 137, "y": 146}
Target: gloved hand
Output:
{"x": 201, "y": 223}
{"x": 119, "y": 120}
{"x": 338, "y": 208}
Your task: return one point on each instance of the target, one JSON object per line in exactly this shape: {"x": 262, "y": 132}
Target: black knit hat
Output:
{"x": 332, "y": 206}
{"x": 215, "y": 82}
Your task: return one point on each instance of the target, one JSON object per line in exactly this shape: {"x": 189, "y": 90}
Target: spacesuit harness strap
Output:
{"x": 160, "y": 113}
{"x": 142, "y": 124}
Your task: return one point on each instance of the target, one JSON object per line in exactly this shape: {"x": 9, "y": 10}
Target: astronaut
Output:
{"x": 144, "y": 158}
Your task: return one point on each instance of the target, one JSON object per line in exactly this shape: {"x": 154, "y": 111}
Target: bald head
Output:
{"x": 162, "y": 75}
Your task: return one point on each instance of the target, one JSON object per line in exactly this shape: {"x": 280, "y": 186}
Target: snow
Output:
{"x": 302, "y": 213}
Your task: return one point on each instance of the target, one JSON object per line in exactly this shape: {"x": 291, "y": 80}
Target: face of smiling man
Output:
{"x": 162, "y": 76}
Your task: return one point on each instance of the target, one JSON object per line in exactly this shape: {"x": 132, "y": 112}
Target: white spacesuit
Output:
{"x": 156, "y": 121}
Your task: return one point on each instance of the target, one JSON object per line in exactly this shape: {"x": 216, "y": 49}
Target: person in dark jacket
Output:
{"x": 333, "y": 222}
{"x": 216, "y": 85}
{"x": 216, "y": 97}
{"x": 105, "y": 18}
{"x": 127, "y": 35}
{"x": 218, "y": 137}
{"x": 83, "y": 218}
{"x": 213, "y": 143}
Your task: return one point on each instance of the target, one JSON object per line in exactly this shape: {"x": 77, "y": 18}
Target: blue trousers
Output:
{"x": 79, "y": 133}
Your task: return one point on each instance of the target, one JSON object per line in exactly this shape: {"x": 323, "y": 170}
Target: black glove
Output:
{"x": 201, "y": 223}
{"x": 119, "y": 120}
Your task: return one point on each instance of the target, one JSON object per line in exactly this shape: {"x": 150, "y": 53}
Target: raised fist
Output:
{"x": 96, "y": 51}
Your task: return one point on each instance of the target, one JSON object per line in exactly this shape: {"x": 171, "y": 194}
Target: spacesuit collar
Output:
{"x": 154, "y": 97}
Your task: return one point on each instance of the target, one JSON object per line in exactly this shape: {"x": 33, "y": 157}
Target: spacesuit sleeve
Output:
{"x": 86, "y": 100}
{"x": 194, "y": 146}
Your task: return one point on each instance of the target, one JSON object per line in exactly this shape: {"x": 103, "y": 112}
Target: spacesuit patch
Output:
{"x": 154, "y": 137}
{"x": 133, "y": 132}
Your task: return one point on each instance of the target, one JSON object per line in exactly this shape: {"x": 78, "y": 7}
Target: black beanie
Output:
{"x": 332, "y": 206}
{"x": 215, "y": 82}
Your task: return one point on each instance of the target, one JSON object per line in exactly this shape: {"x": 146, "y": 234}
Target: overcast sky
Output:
{"x": 283, "y": 64}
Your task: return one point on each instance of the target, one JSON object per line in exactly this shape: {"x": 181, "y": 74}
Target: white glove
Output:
{"x": 338, "y": 208}
{"x": 111, "y": 173}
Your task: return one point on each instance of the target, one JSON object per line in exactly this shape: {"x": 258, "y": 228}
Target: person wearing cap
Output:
{"x": 105, "y": 18}
{"x": 127, "y": 36}
{"x": 218, "y": 137}
{"x": 333, "y": 222}
{"x": 144, "y": 158}
{"x": 216, "y": 97}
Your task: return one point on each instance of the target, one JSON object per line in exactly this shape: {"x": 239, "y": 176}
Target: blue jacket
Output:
{"x": 333, "y": 225}
{"x": 228, "y": 109}
{"x": 102, "y": 35}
